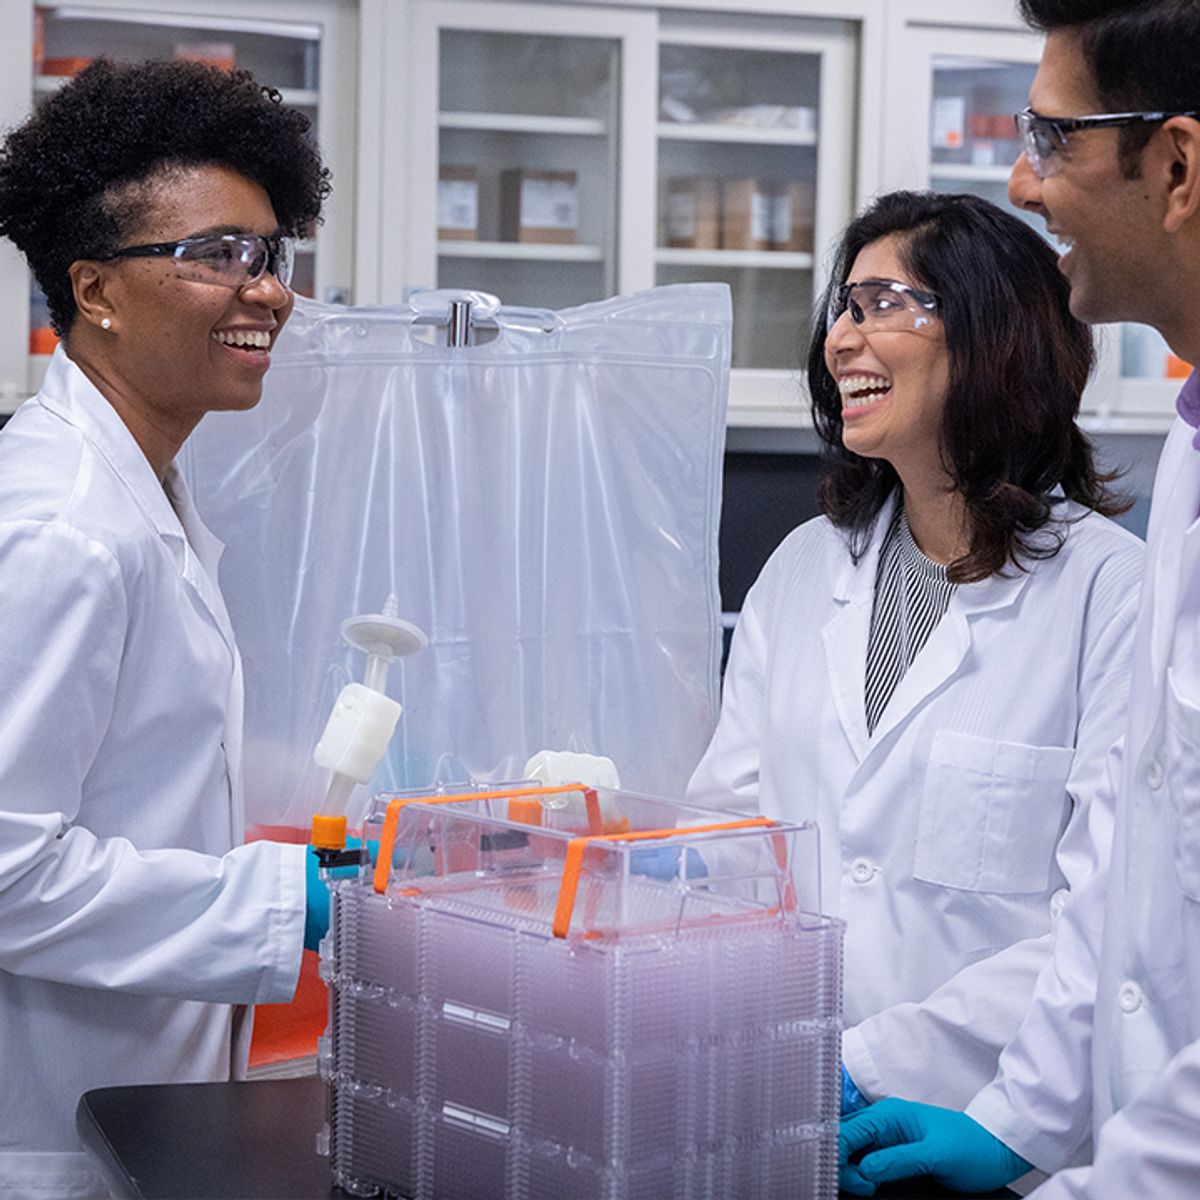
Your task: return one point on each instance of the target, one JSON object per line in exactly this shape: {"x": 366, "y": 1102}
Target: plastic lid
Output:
{"x": 328, "y": 833}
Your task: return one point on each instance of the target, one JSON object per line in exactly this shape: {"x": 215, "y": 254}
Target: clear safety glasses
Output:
{"x": 883, "y": 304}
{"x": 1044, "y": 139}
{"x": 230, "y": 260}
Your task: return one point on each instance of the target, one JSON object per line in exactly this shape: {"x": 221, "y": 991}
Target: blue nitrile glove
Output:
{"x": 852, "y": 1098}
{"x": 903, "y": 1139}
{"x": 662, "y": 862}
{"x": 316, "y": 892}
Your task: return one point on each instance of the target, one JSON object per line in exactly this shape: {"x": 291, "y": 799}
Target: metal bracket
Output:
{"x": 458, "y": 327}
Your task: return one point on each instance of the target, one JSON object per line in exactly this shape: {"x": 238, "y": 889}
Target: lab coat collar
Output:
{"x": 847, "y": 634}
{"x": 167, "y": 506}
{"x": 1174, "y": 523}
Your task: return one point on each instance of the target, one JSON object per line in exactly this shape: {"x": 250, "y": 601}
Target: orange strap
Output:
{"x": 576, "y": 847}
{"x": 391, "y": 821}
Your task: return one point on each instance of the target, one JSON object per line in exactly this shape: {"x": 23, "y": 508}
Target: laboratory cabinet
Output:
{"x": 554, "y": 152}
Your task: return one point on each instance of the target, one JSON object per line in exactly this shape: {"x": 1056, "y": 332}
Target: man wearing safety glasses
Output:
{"x": 1101, "y": 1086}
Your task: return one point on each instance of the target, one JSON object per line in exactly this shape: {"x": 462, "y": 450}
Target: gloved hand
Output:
{"x": 662, "y": 862}
{"x": 316, "y": 892}
{"x": 852, "y": 1098}
{"x": 903, "y": 1139}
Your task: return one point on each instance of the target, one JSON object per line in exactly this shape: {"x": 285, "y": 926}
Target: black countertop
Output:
{"x": 236, "y": 1141}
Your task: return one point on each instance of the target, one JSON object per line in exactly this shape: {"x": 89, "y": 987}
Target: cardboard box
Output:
{"x": 693, "y": 213}
{"x": 539, "y": 206}
{"x": 746, "y": 215}
{"x": 458, "y": 204}
{"x": 792, "y": 210}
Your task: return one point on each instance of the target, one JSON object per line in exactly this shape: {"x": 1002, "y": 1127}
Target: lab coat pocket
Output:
{"x": 1181, "y": 753}
{"x": 991, "y": 814}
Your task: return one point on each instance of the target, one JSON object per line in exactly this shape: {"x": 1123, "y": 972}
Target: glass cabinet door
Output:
{"x": 517, "y": 150}
{"x": 753, "y": 179}
{"x": 527, "y": 180}
{"x": 948, "y": 108}
{"x": 972, "y": 135}
{"x": 737, "y": 181}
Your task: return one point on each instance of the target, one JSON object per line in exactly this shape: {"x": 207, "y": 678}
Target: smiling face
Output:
{"x": 1108, "y": 225}
{"x": 175, "y": 348}
{"x": 892, "y": 382}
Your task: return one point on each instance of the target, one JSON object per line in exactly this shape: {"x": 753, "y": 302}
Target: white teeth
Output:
{"x": 259, "y": 339}
{"x": 857, "y": 390}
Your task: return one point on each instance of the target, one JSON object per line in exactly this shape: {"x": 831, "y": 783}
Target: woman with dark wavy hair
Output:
{"x": 156, "y": 206}
{"x": 935, "y": 668}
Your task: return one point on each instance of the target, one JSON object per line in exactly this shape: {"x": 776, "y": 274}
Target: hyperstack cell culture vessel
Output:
{"x": 570, "y": 992}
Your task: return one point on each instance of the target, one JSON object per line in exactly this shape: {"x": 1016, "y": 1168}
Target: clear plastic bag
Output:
{"x": 543, "y": 504}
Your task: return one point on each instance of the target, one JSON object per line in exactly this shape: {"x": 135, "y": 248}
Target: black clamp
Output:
{"x": 331, "y": 859}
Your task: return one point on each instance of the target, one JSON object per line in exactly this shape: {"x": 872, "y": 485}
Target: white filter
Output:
{"x": 544, "y": 505}
{"x": 681, "y": 1042}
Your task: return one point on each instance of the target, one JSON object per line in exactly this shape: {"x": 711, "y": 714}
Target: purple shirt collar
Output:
{"x": 1187, "y": 404}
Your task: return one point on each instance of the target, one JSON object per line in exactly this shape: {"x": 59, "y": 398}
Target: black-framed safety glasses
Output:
{"x": 1044, "y": 139}
{"x": 231, "y": 260}
{"x": 882, "y": 304}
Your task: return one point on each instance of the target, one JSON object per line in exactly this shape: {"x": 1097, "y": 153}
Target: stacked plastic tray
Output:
{"x": 533, "y": 1003}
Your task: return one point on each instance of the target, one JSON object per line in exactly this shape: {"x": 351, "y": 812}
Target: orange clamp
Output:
{"x": 391, "y": 820}
{"x": 576, "y": 847}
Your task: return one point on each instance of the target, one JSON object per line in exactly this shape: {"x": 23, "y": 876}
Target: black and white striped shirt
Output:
{"x": 912, "y": 594}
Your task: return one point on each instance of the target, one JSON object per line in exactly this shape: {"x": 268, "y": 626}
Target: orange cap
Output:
{"x": 328, "y": 833}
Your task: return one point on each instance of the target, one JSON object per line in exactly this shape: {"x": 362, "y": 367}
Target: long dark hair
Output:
{"x": 1018, "y": 364}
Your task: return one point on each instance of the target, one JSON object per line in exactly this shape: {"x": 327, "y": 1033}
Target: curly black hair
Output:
{"x": 66, "y": 173}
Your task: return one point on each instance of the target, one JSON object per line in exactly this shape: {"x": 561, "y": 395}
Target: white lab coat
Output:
{"x": 951, "y": 835}
{"x": 1110, "y": 1048}
{"x": 129, "y": 923}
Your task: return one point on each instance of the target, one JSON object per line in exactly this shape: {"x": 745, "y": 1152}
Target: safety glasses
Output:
{"x": 1044, "y": 139}
{"x": 231, "y": 260}
{"x": 876, "y": 304}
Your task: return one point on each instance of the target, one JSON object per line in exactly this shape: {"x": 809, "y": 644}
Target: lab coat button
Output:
{"x": 862, "y": 870}
{"x": 1129, "y": 997}
{"x": 1154, "y": 775}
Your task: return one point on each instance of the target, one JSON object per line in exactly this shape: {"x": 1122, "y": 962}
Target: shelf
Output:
{"x": 523, "y": 123}
{"x": 296, "y": 97}
{"x": 780, "y": 260}
{"x": 530, "y": 251}
{"x": 739, "y": 134}
{"x": 1157, "y": 424}
{"x": 970, "y": 172}
{"x": 133, "y": 16}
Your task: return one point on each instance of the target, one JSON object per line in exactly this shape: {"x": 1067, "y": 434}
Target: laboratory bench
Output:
{"x": 235, "y": 1141}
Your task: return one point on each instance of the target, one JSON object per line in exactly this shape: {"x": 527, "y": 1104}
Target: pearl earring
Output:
{"x": 106, "y": 324}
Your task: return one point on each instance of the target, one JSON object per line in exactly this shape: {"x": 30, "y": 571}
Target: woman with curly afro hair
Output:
{"x": 156, "y": 205}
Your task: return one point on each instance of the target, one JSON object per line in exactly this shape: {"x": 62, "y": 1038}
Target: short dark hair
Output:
{"x": 65, "y": 174}
{"x": 1142, "y": 57}
{"x": 1018, "y": 365}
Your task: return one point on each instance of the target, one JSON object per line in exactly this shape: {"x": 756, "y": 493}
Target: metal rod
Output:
{"x": 459, "y": 328}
